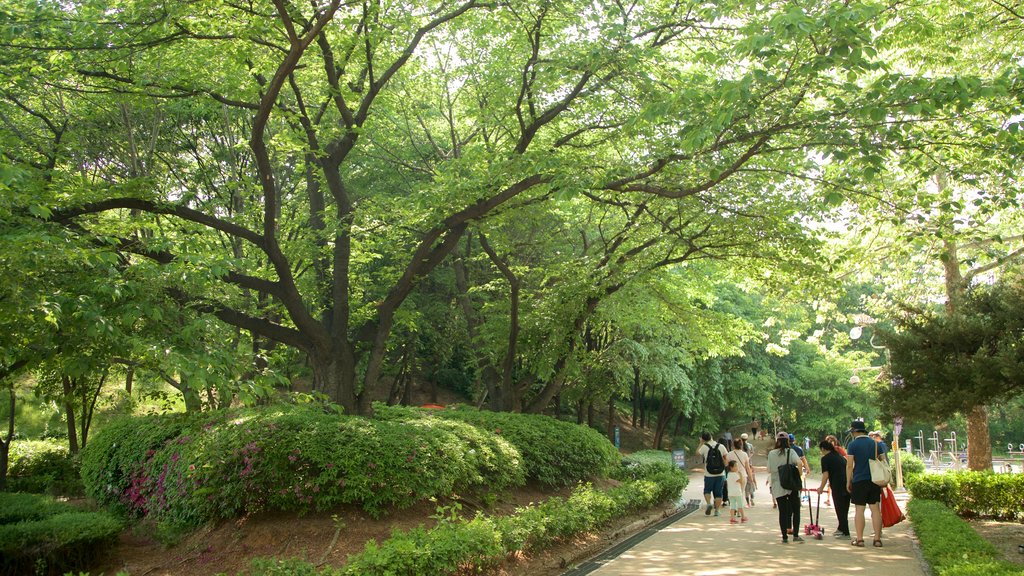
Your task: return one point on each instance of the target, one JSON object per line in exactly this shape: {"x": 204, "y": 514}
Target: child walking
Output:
{"x": 737, "y": 481}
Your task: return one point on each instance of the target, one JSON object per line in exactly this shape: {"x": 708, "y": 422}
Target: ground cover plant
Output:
{"x": 41, "y": 535}
{"x": 951, "y": 546}
{"x": 459, "y": 545}
{"x": 973, "y": 494}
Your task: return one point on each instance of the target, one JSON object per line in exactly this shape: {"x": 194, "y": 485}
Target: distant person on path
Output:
{"x": 833, "y": 471}
{"x": 737, "y": 482}
{"x": 740, "y": 456}
{"x": 714, "y": 472}
{"x": 835, "y": 442}
{"x": 805, "y": 466}
{"x": 747, "y": 446}
{"x": 788, "y": 501}
{"x": 864, "y": 492}
{"x": 879, "y": 437}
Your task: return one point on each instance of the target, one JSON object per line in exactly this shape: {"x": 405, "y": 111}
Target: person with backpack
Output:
{"x": 713, "y": 454}
{"x": 783, "y": 465}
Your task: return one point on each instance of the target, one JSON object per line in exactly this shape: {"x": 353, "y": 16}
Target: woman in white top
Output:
{"x": 746, "y": 470}
{"x": 788, "y": 500}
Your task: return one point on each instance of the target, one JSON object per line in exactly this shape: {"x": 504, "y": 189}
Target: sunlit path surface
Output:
{"x": 709, "y": 546}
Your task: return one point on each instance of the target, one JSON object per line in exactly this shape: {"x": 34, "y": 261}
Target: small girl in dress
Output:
{"x": 737, "y": 483}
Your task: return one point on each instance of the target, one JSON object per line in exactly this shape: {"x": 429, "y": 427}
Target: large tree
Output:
{"x": 376, "y": 134}
{"x": 953, "y": 362}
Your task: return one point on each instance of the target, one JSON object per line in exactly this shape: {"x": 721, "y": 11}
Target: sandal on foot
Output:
{"x": 857, "y": 543}
{"x": 877, "y": 543}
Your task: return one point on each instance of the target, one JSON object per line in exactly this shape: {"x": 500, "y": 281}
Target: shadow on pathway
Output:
{"x": 705, "y": 545}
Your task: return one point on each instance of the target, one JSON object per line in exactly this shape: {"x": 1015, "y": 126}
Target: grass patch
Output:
{"x": 951, "y": 546}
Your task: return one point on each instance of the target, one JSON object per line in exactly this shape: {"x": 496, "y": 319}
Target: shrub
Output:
{"x": 183, "y": 472}
{"x": 42, "y": 466}
{"x": 17, "y": 507}
{"x": 643, "y": 464}
{"x": 950, "y": 545}
{"x": 971, "y": 493}
{"x": 54, "y": 538}
{"x": 555, "y": 453}
{"x": 911, "y": 464}
{"x": 117, "y": 452}
{"x": 457, "y": 546}
{"x": 449, "y": 548}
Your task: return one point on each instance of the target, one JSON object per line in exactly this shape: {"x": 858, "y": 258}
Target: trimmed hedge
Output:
{"x": 38, "y": 534}
{"x": 457, "y": 546}
{"x": 183, "y": 471}
{"x": 18, "y": 507}
{"x": 42, "y": 466}
{"x": 555, "y": 453}
{"x": 971, "y": 493}
{"x": 951, "y": 546}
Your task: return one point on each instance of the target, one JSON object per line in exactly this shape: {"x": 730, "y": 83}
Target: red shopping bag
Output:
{"x": 891, "y": 513}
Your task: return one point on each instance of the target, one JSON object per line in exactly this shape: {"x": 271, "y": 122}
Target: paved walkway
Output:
{"x": 710, "y": 546}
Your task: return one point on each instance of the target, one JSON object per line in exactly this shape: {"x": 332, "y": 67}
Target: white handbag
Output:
{"x": 881, "y": 474}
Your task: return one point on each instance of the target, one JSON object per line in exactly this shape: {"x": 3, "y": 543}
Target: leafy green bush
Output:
{"x": 17, "y": 507}
{"x": 42, "y": 466}
{"x": 457, "y": 546}
{"x": 53, "y": 537}
{"x": 950, "y": 545}
{"x": 971, "y": 493}
{"x": 185, "y": 471}
{"x": 643, "y": 464}
{"x": 555, "y": 453}
{"x": 117, "y": 452}
{"x": 911, "y": 464}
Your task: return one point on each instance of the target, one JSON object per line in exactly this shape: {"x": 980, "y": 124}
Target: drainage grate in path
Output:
{"x": 611, "y": 553}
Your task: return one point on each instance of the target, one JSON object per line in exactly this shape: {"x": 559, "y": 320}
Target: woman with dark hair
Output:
{"x": 836, "y": 446}
{"x": 788, "y": 500}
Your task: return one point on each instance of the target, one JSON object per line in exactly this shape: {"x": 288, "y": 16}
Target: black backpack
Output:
{"x": 714, "y": 463}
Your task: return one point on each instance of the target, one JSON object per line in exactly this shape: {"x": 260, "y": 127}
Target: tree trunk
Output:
{"x": 611, "y": 419}
{"x": 579, "y": 412}
{"x": 636, "y": 395}
{"x": 337, "y": 379}
{"x": 643, "y": 405}
{"x": 665, "y": 413}
{"x": 590, "y": 414}
{"x": 129, "y": 377}
{"x": 977, "y": 436}
{"x": 510, "y": 393}
{"x": 69, "y": 414}
{"x": 5, "y": 444}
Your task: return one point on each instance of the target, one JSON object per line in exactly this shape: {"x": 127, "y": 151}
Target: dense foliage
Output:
{"x": 555, "y": 453}
{"x": 971, "y": 494}
{"x": 458, "y": 545}
{"x": 185, "y": 470}
{"x": 40, "y": 535}
{"x": 951, "y": 546}
{"x": 951, "y": 363}
{"x": 43, "y": 466}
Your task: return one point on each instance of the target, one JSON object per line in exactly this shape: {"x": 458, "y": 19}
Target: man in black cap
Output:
{"x": 864, "y": 492}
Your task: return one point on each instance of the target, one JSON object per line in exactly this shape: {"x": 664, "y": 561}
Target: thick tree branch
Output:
{"x": 65, "y": 215}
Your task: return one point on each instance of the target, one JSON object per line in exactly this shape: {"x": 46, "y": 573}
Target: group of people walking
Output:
{"x": 844, "y": 470}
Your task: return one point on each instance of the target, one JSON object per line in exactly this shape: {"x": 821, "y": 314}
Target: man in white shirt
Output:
{"x": 714, "y": 472}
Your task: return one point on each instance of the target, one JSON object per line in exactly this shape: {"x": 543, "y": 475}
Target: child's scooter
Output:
{"x": 814, "y": 529}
